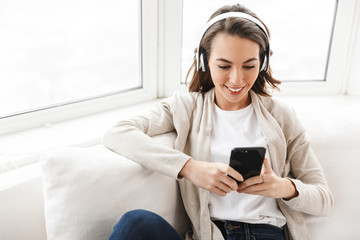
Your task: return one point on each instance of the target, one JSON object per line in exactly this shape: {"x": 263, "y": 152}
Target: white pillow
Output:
{"x": 87, "y": 190}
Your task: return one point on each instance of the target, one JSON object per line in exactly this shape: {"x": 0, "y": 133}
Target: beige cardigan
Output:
{"x": 190, "y": 115}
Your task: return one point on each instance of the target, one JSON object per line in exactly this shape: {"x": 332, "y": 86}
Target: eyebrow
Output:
{"x": 227, "y": 61}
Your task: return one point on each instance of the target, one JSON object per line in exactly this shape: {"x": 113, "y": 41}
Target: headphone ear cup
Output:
{"x": 265, "y": 62}
{"x": 264, "y": 65}
{"x": 202, "y": 63}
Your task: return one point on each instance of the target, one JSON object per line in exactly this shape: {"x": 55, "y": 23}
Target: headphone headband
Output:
{"x": 200, "y": 58}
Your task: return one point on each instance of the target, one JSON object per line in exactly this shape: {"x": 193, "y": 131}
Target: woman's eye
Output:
{"x": 248, "y": 67}
{"x": 223, "y": 67}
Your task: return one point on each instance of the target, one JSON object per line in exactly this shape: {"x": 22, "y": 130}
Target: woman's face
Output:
{"x": 234, "y": 66}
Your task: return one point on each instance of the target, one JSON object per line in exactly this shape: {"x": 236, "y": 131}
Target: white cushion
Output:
{"x": 333, "y": 125}
{"x": 87, "y": 190}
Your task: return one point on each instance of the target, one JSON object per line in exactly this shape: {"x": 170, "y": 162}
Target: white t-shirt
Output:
{"x": 232, "y": 129}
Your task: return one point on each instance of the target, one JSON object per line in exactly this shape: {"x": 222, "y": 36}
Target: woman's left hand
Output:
{"x": 268, "y": 184}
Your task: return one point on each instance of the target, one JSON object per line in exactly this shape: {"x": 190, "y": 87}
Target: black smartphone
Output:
{"x": 247, "y": 161}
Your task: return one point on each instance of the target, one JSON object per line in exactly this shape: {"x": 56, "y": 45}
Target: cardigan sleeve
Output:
{"x": 132, "y": 138}
{"x": 306, "y": 173}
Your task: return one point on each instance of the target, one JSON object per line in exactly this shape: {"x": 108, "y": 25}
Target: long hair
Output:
{"x": 234, "y": 26}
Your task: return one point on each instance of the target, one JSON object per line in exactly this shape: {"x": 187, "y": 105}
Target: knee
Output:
{"x": 142, "y": 224}
{"x": 138, "y": 218}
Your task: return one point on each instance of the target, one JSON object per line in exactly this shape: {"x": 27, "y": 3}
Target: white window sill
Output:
{"x": 25, "y": 147}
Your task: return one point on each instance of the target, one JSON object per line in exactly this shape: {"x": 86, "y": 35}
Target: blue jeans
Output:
{"x": 246, "y": 231}
{"x": 143, "y": 225}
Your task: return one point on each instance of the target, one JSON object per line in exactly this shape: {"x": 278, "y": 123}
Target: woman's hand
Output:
{"x": 211, "y": 176}
{"x": 268, "y": 184}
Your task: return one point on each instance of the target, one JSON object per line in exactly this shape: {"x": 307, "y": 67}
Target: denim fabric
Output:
{"x": 246, "y": 231}
{"x": 143, "y": 225}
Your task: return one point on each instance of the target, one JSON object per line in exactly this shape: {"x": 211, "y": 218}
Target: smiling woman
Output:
{"x": 228, "y": 107}
{"x": 234, "y": 66}
{"x": 233, "y": 56}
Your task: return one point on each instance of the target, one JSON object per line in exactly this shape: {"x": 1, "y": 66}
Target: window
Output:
{"x": 69, "y": 59}
{"x": 74, "y": 58}
{"x": 56, "y": 53}
{"x": 60, "y": 51}
{"x": 301, "y": 34}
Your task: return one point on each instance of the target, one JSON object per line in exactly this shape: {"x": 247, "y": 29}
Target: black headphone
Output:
{"x": 200, "y": 58}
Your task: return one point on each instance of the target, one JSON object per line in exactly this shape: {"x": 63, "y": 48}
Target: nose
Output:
{"x": 236, "y": 76}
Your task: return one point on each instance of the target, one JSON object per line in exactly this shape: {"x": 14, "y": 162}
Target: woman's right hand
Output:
{"x": 211, "y": 176}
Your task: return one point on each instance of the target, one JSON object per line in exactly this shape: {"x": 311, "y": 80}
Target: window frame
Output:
{"x": 352, "y": 85}
{"x": 337, "y": 66}
{"x": 69, "y": 110}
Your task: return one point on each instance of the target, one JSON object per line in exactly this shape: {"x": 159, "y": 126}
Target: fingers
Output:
{"x": 211, "y": 176}
{"x": 267, "y": 165}
{"x": 228, "y": 181}
{"x": 253, "y": 181}
{"x": 218, "y": 191}
{"x": 255, "y": 190}
{"x": 222, "y": 184}
{"x": 225, "y": 182}
{"x": 223, "y": 187}
{"x": 230, "y": 171}
{"x": 257, "y": 183}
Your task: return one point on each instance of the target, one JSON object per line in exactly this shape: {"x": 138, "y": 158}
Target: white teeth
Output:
{"x": 235, "y": 90}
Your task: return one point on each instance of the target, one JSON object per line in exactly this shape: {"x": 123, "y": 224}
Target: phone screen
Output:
{"x": 247, "y": 161}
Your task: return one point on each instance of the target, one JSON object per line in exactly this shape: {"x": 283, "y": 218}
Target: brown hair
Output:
{"x": 202, "y": 81}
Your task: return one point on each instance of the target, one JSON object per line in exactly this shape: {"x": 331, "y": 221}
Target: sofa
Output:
{"x": 86, "y": 190}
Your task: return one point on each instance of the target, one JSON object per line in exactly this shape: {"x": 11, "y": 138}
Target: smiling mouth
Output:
{"x": 235, "y": 90}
